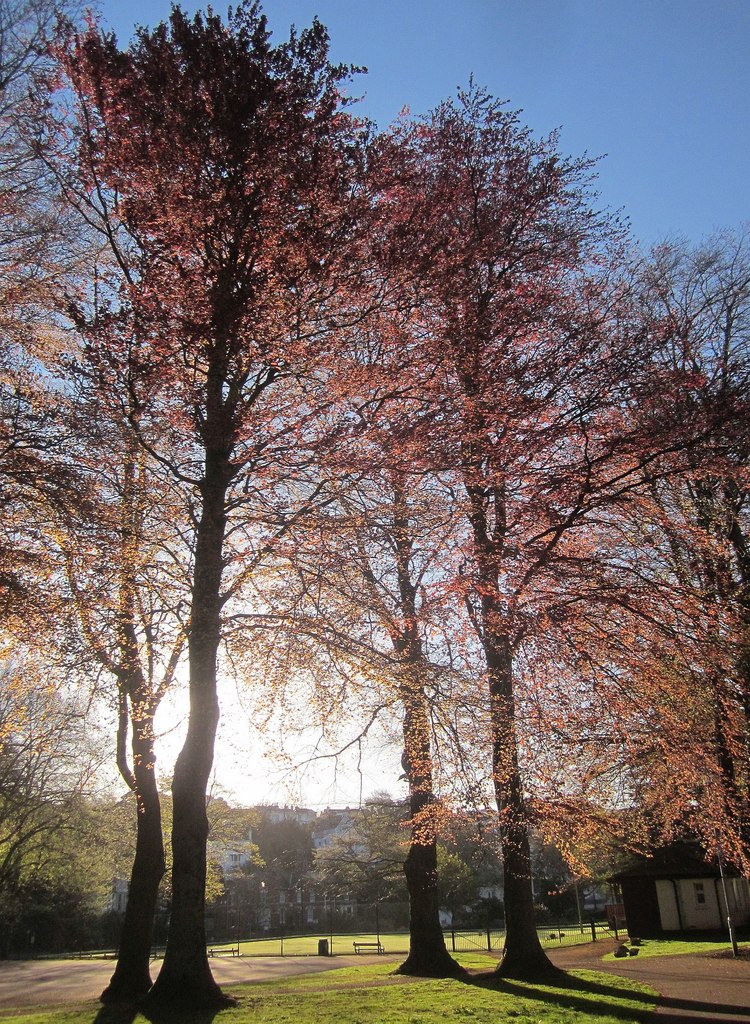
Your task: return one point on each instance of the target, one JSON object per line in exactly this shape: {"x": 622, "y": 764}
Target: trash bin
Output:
{"x": 322, "y": 947}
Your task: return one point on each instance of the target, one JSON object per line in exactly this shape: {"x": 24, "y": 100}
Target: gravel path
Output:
{"x": 31, "y": 983}
{"x": 695, "y": 988}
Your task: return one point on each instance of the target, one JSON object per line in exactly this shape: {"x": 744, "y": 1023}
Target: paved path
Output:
{"x": 29, "y": 983}
{"x": 695, "y": 988}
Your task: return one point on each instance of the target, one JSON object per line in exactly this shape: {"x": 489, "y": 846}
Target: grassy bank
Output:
{"x": 374, "y": 995}
{"x": 676, "y": 947}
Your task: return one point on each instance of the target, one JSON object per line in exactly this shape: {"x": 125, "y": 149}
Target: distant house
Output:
{"x": 118, "y": 898}
{"x": 677, "y": 891}
{"x": 276, "y": 815}
{"x": 332, "y": 826}
{"x": 232, "y": 858}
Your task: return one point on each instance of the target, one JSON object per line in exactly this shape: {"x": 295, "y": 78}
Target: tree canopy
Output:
{"x": 396, "y": 422}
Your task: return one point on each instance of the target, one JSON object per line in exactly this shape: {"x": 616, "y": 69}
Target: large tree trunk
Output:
{"x": 428, "y": 957}
{"x": 132, "y": 976}
{"x": 523, "y": 956}
{"x": 185, "y": 978}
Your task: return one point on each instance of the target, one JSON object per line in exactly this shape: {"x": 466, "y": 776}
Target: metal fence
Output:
{"x": 340, "y": 943}
{"x": 457, "y": 940}
{"x": 492, "y": 940}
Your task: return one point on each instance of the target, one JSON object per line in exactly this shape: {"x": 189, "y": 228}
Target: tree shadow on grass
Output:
{"x": 687, "y": 1006}
{"x": 582, "y": 994}
{"x": 180, "y": 1015}
{"x": 126, "y": 1013}
{"x": 116, "y": 1013}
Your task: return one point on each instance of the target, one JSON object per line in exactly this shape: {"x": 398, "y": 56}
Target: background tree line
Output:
{"x": 270, "y": 871}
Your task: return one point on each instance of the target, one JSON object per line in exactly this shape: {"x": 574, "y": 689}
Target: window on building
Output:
{"x": 700, "y": 892}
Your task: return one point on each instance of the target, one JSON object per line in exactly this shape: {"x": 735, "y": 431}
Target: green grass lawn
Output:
{"x": 372, "y": 994}
{"x": 674, "y": 947}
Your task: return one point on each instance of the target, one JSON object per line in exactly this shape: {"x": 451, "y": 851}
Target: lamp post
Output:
{"x": 730, "y": 925}
{"x": 578, "y": 903}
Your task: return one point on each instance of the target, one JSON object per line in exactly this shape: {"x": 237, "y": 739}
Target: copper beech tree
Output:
{"x": 427, "y": 952}
{"x": 698, "y": 529}
{"x": 362, "y": 589}
{"x": 546, "y": 404}
{"x": 355, "y": 596}
{"x": 38, "y": 253}
{"x": 648, "y": 717}
{"x": 126, "y": 570}
{"x": 222, "y": 171}
{"x": 655, "y": 642}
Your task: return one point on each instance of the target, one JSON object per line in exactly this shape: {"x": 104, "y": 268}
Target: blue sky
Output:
{"x": 659, "y": 88}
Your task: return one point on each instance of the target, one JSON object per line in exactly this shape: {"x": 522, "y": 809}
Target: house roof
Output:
{"x": 678, "y": 860}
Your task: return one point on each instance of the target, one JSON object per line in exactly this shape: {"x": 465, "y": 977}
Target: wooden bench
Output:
{"x": 225, "y": 950}
{"x": 378, "y": 947}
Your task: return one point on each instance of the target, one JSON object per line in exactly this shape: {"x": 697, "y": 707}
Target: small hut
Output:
{"x": 677, "y": 891}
